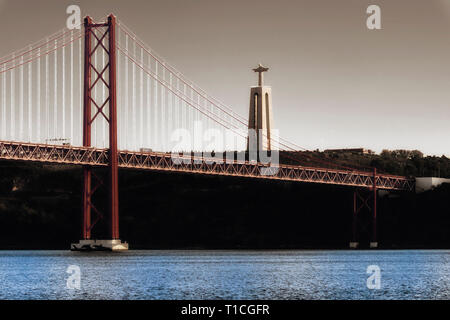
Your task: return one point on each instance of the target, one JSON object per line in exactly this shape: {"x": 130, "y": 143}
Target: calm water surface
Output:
{"x": 405, "y": 274}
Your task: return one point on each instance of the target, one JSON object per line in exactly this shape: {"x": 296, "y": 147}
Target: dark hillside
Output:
{"x": 40, "y": 207}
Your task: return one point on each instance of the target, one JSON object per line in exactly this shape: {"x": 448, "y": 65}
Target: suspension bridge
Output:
{"x": 98, "y": 96}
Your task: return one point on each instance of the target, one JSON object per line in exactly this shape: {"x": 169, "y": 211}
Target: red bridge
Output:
{"x": 87, "y": 96}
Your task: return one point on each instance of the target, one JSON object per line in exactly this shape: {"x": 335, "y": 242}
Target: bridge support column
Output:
{"x": 374, "y": 242}
{"x": 91, "y": 35}
{"x": 364, "y": 216}
{"x": 354, "y": 243}
{"x": 87, "y": 115}
{"x": 86, "y": 222}
{"x": 113, "y": 152}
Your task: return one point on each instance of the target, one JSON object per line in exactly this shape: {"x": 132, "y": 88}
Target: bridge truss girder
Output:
{"x": 163, "y": 162}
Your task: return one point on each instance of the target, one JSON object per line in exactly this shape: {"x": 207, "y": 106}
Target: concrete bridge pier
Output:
{"x": 99, "y": 245}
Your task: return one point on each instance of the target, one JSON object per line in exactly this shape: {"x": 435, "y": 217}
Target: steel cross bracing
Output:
{"x": 95, "y": 38}
{"x": 163, "y": 162}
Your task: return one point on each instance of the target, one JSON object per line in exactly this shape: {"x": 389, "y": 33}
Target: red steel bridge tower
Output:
{"x": 100, "y": 36}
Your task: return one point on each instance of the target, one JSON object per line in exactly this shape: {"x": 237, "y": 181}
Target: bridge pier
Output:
{"x": 364, "y": 219}
{"x": 365, "y": 202}
{"x": 374, "y": 242}
{"x": 99, "y": 245}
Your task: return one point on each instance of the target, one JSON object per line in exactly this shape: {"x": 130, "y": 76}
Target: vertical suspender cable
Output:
{"x": 80, "y": 88}
{"x": 38, "y": 98}
{"x": 192, "y": 115}
{"x": 199, "y": 117}
{"x": 55, "y": 96}
{"x": 21, "y": 101}
{"x": 30, "y": 108}
{"x": 148, "y": 125}
{"x": 119, "y": 96}
{"x": 47, "y": 97}
{"x": 4, "y": 103}
{"x": 170, "y": 113}
{"x": 178, "y": 111}
{"x": 184, "y": 106}
{"x": 125, "y": 133}
{"x": 71, "y": 89}
{"x": 141, "y": 108}
{"x": 163, "y": 113}
{"x": 197, "y": 114}
{"x": 63, "y": 97}
{"x": 133, "y": 105}
{"x": 12, "y": 113}
{"x": 155, "y": 108}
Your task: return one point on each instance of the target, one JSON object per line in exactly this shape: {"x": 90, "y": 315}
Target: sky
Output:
{"x": 335, "y": 83}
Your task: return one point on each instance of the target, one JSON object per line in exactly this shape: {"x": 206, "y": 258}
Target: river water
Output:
{"x": 404, "y": 274}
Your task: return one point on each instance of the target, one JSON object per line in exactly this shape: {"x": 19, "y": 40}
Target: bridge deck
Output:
{"x": 163, "y": 162}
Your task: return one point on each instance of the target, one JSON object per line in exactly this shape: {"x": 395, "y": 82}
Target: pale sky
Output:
{"x": 335, "y": 83}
